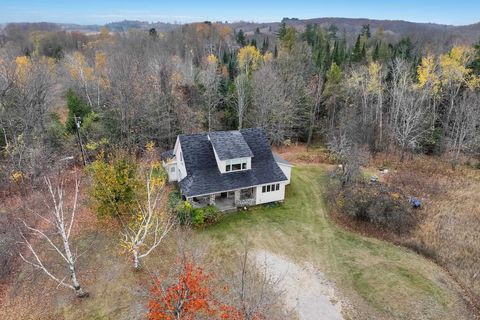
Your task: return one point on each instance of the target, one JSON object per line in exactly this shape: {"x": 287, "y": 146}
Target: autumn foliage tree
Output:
{"x": 190, "y": 296}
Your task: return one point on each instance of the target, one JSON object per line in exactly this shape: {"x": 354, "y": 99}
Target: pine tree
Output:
{"x": 241, "y": 38}
{"x": 476, "y": 60}
{"x": 358, "y": 50}
{"x": 366, "y": 31}
{"x": 265, "y": 45}
{"x": 282, "y": 31}
{"x": 376, "y": 52}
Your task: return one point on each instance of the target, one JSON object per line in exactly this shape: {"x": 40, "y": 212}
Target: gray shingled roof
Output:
{"x": 230, "y": 145}
{"x": 166, "y": 155}
{"x": 203, "y": 176}
{"x": 279, "y": 159}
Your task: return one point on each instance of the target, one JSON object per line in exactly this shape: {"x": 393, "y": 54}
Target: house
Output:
{"x": 228, "y": 169}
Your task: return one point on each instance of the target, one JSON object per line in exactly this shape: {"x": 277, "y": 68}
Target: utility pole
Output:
{"x": 77, "y": 127}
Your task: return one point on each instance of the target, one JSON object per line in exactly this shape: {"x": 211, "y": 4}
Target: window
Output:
{"x": 271, "y": 188}
{"x": 236, "y": 164}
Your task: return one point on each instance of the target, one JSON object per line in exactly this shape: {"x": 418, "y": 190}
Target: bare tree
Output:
{"x": 254, "y": 291}
{"x": 464, "y": 127}
{"x": 271, "y": 108}
{"x": 241, "y": 97}
{"x": 210, "y": 80}
{"x": 412, "y": 124}
{"x": 148, "y": 227}
{"x": 62, "y": 219}
{"x": 25, "y": 101}
{"x": 315, "y": 89}
{"x": 346, "y": 144}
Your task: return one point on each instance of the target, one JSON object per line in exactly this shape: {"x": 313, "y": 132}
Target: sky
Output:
{"x": 456, "y": 12}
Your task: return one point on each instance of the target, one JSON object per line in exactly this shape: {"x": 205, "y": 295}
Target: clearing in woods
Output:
{"x": 372, "y": 278}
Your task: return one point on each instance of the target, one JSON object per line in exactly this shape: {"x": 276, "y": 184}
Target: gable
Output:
{"x": 230, "y": 145}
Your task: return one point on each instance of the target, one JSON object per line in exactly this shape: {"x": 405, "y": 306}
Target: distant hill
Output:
{"x": 429, "y": 34}
{"x": 437, "y": 36}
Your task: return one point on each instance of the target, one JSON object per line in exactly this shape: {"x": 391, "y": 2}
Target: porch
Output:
{"x": 226, "y": 201}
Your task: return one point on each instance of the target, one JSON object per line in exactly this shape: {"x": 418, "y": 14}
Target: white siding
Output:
{"x": 171, "y": 168}
{"x": 287, "y": 170}
{"x": 272, "y": 196}
{"x": 181, "y": 169}
{"x": 222, "y": 164}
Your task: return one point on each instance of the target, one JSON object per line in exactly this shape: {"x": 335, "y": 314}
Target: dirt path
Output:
{"x": 306, "y": 289}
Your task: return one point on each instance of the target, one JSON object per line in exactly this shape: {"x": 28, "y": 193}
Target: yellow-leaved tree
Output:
{"x": 456, "y": 74}
{"x": 81, "y": 71}
{"x": 249, "y": 59}
{"x": 427, "y": 74}
{"x": 23, "y": 67}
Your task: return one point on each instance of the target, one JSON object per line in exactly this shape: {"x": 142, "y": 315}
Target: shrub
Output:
{"x": 197, "y": 217}
{"x": 211, "y": 214}
{"x": 174, "y": 198}
{"x": 187, "y": 215}
{"x": 375, "y": 204}
{"x": 116, "y": 187}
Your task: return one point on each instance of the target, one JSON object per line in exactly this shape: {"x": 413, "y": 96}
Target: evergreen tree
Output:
{"x": 282, "y": 31}
{"x": 404, "y": 49}
{"x": 253, "y": 42}
{"x": 358, "y": 52}
{"x": 225, "y": 57}
{"x": 366, "y": 31}
{"x": 265, "y": 45}
{"x": 76, "y": 108}
{"x": 476, "y": 60}
{"x": 376, "y": 52}
{"x": 153, "y": 33}
{"x": 309, "y": 34}
{"x": 241, "y": 38}
{"x": 332, "y": 31}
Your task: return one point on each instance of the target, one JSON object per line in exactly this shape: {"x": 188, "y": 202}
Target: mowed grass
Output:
{"x": 379, "y": 279}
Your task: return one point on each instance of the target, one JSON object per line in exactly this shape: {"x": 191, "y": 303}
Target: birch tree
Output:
{"x": 412, "y": 124}
{"x": 241, "y": 97}
{"x": 82, "y": 72}
{"x": 62, "y": 220}
{"x": 148, "y": 227}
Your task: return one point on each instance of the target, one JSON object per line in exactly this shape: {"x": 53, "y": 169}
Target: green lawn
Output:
{"x": 379, "y": 279}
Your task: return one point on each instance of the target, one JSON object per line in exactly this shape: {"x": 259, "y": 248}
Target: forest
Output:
{"x": 134, "y": 87}
{"x": 110, "y": 101}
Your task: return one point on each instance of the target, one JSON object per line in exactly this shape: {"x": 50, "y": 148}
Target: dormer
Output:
{"x": 232, "y": 152}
